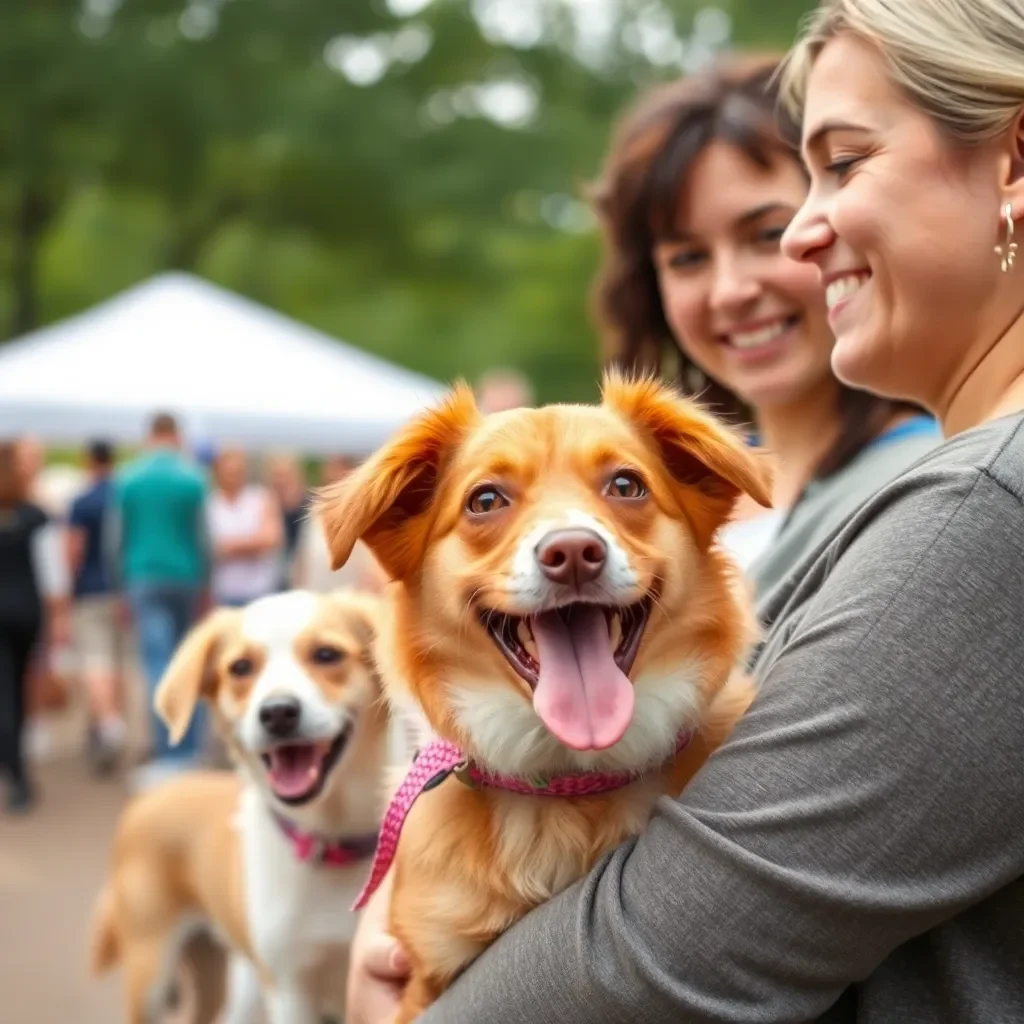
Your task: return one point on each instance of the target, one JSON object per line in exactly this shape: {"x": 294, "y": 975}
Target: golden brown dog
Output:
{"x": 271, "y": 857}
{"x": 560, "y": 612}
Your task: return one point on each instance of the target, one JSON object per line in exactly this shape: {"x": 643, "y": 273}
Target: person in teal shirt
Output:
{"x": 163, "y": 564}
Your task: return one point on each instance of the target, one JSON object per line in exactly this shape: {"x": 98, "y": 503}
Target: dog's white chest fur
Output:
{"x": 299, "y": 915}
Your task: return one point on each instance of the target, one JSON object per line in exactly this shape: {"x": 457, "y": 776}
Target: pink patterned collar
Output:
{"x": 331, "y": 853}
{"x": 439, "y": 759}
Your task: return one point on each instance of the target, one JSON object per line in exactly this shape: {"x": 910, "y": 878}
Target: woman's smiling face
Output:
{"x": 900, "y": 223}
{"x": 751, "y": 318}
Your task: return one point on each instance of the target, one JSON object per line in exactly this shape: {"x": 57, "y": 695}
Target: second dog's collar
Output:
{"x": 334, "y": 853}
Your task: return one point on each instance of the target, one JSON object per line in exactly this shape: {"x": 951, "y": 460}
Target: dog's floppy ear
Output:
{"x": 698, "y": 450}
{"x": 189, "y": 675}
{"x": 386, "y": 501}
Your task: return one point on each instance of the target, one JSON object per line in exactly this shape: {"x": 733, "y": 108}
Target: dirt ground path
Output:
{"x": 51, "y": 866}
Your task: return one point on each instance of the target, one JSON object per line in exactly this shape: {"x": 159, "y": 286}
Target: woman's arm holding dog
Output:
{"x": 872, "y": 792}
{"x": 379, "y": 968}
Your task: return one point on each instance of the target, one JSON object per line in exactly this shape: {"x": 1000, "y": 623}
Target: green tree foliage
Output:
{"x": 406, "y": 174}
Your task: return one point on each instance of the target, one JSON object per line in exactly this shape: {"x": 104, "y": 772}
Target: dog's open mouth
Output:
{"x": 297, "y": 772}
{"x": 576, "y": 660}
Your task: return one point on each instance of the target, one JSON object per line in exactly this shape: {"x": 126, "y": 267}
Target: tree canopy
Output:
{"x": 406, "y": 174}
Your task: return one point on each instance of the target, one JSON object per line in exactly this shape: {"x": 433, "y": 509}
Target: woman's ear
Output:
{"x": 1012, "y": 175}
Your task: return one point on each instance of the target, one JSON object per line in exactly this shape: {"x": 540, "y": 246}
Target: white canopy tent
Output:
{"x": 231, "y": 370}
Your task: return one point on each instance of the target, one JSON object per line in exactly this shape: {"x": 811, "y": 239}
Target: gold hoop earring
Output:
{"x": 1007, "y": 252}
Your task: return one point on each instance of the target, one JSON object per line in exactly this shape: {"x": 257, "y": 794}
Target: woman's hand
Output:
{"x": 379, "y": 967}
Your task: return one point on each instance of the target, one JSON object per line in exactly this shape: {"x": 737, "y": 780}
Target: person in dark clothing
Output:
{"x": 21, "y": 618}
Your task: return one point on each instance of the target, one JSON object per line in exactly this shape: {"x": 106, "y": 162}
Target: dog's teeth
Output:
{"x": 525, "y": 637}
{"x": 531, "y": 649}
{"x": 313, "y": 774}
{"x": 615, "y": 631}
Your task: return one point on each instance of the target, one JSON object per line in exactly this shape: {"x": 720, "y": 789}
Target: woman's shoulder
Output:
{"x": 942, "y": 472}
{"x": 962, "y": 471}
{"x": 962, "y": 501}
{"x": 980, "y": 469}
{"x": 995, "y": 450}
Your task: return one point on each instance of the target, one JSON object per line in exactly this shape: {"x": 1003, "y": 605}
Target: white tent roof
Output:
{"x": 233, "y": 371}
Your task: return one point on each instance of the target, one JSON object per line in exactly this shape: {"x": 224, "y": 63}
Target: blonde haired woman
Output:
{"x": 855, "y": 853}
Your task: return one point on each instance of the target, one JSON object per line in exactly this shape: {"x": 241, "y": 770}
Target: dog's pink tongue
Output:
{"x": 294, "y": 770}
{"x": 582, "y": 696}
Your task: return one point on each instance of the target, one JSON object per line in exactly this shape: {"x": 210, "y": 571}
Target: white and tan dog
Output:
{"x": 272, "y": 856}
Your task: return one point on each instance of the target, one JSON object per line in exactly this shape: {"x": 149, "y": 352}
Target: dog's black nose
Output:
{"x": 280, "y": 717}
{"x": 572, "y": 556}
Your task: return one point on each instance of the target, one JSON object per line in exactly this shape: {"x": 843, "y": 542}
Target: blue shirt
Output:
{"x": 88, "y": 512}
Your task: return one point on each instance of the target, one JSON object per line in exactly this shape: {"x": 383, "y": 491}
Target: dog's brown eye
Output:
{"x": 241, "y": 667}
{"x": 327, "y": 656}
{"x": 486, "y": 499}
{"x": 626, "y": 485}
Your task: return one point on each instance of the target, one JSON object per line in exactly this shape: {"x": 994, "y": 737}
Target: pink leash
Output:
{"x": 439, "y": 759}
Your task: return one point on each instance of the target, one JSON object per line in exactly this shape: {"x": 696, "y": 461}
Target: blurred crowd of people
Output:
{"x": 106, "y": 567}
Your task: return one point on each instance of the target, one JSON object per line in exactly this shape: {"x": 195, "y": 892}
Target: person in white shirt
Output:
{"x": 245, "y": 532}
